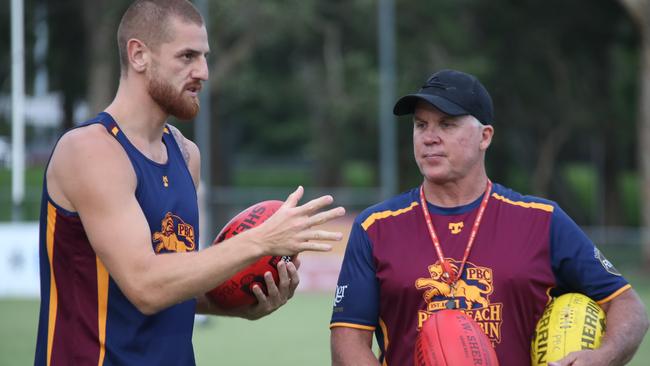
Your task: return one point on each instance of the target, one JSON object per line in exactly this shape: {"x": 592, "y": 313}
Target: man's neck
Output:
{"x": 456, "y": 193}
{"x": 139, "y": 116}
{"x": 140, "y": 119}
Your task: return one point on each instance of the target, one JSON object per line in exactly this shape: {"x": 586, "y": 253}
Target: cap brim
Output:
{"x": 406, "y": 105}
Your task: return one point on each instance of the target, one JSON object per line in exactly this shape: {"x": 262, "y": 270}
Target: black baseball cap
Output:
{"x": 452, "y": 92}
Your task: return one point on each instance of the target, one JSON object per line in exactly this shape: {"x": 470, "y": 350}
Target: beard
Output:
{"x": 173, "y": 103}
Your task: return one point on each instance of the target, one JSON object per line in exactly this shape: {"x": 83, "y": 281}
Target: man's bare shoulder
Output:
{"x": 85, "y": 161}
{"x": 86, "y": 135}
{"x": 80, "y": 145}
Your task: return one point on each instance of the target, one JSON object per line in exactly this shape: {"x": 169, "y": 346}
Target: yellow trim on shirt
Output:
{"x": 352, "y": 325}
{"x": 615, "y": 294}
{"x": 384, "y": 331}
{"x": 54, "y": 297}
{"x": 384, "y": 214}
{"x": 537, "y": 205}
{"x": 102, "y": 307}
{"x": 549, "y": 298}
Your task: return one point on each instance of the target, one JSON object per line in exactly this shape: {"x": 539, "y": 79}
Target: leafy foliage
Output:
{"x": 297, "y": 81}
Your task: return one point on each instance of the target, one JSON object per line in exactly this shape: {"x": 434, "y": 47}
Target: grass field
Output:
{"x": 296, "y": 334}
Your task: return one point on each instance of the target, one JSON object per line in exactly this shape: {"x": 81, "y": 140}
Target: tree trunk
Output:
{"x": 101, "y": 20}
{"x": 328, "y": 157}
{"x": 644, "y": 140}
{"x": 548, "y": 152}
{"x": 639, "y": 11}
{"x": 228, "y": 59}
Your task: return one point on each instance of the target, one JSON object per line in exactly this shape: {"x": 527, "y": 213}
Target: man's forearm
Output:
{"x": 627, "y": 324}
{"x": 352, "y": 347}
{"x": 356, "y": 357}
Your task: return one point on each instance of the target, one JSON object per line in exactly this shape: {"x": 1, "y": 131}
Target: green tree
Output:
{"x": 552, "y": 74}
{"x": 296, "y": 82}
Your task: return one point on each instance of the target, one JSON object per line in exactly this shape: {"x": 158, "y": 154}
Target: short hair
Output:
{"x": 148, "y": 21}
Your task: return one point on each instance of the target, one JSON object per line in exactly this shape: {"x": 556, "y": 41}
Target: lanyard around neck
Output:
{"x": 448, "y": 274}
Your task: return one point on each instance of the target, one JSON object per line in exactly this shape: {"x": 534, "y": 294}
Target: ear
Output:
{"x": 139, "y": 55}
{"x": 487, "y": 131}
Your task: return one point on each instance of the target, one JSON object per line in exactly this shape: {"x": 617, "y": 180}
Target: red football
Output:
{"x": 237, "y": 290}
{"x": 451, "y": 338}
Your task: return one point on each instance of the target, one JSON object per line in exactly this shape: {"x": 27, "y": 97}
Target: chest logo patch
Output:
{"x": 174, "y": 235}
{"x": 165, "y": 181}
{"x": 471, "y": 294}
{"x": 455, "y": 227}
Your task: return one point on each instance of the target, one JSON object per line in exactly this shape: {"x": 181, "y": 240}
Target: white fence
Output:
{"x": 19, "y": 271}
{"x": 19, "y": 268}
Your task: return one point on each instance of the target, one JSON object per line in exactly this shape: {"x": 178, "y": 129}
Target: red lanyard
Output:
{"x": 448, "y": 274}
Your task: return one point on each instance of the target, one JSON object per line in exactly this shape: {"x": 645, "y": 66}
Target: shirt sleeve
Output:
{"x": 356, "y": 302}
{"x": 578, "y": 265}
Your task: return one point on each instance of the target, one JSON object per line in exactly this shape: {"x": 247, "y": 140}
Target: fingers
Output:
{"x": 295, "y": 279}
{"x": 287, "y": 284}
{"x": 294, "y": 198}
{"x": 320, "y": 235}
{"x": 290, "y": 230}
{"x": 325, "y": 216}
{"x": 275, "y": 296}
{"x": 563, "y": 362}
{"x": 316, "y": 204}
{"x": 284, "y": 279}
{"x": 570, "y": 359}
{"x": 295, "y": 261}
{"x": 313, "y": 247}
{"x": 313, "y": 206}
{"x": 262, "y": 300}
{"x": 277, "y": 292}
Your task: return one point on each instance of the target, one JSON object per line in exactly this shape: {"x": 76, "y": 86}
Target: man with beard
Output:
{"x": 109, "y": 295}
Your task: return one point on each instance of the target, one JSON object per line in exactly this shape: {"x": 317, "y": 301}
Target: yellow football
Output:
{"x": 571, "y": 322}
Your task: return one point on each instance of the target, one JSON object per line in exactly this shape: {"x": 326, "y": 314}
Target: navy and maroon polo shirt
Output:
{"x": 526, "y": 251}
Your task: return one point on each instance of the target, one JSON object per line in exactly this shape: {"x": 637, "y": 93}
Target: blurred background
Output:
{"x": 301, "y": 92}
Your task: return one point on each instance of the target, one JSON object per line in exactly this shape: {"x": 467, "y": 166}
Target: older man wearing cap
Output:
{"x": 461, "y": 241}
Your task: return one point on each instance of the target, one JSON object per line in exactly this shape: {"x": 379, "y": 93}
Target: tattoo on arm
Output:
{"x": 180, "y": 141}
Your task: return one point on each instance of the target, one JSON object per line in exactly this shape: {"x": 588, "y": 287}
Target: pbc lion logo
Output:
{"x": 474, "y": 293}
{"x": 470, "y": 294}
{"x": 174, "y": 235}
